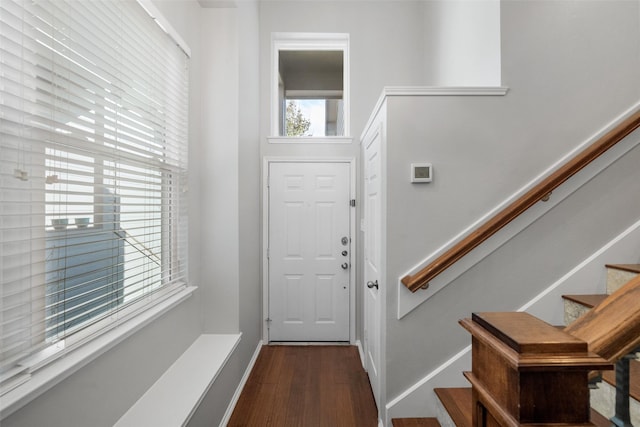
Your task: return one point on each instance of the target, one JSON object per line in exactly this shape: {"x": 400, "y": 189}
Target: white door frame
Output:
{"x": 265, "y": 236}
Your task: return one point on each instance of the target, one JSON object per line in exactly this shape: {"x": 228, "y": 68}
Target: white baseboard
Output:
{"x": 243, "y": 381}
{"x": 360, "y": 352}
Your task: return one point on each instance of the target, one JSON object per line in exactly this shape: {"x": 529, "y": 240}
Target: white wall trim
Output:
{"x": 417, "y": 386}
{"x": 408, "y": 301}
{"x": 445, "y": 90}
{"x": 360, "y": 351}
{"x": 265, "y": 235}
{"x": 309, "y": 41}
{"x": 309, "y": 140}
{"x": 243, "y": 381}
{"x": 414, "y": 401}
{"x": 629, "y": 232}
{"x": 389, "y": 91}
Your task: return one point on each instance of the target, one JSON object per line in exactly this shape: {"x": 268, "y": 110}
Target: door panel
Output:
{"x": 308, "y": 217}
{"x": 373, "y": 254}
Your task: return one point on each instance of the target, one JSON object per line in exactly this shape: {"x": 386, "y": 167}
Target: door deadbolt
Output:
{"x": 344, "y": 253}
{"x": 344, "y": 266}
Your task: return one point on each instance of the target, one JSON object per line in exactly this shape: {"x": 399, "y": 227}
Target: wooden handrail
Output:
{"x": 612, "y": 328}
{"x": 531, "y": 197}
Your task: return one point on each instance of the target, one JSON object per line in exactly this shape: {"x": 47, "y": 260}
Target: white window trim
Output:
{"x": 53, "y": 373}
{"x": 164, "y": 23}
{"x": 43, "y": 370}
{"x": 309, "y": 41}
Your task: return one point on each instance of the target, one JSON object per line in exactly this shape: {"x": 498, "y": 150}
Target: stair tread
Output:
{"x": 588, "y": 300}
{"x": 415, "y": 422}
{"x": 632, "y": 268}
{"x": 634, "y": 378}
{"x": 457, "y": 402}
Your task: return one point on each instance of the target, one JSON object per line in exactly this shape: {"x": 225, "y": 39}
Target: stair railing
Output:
{"x": 612, "y": 329}
{"x": 515, "y": 209}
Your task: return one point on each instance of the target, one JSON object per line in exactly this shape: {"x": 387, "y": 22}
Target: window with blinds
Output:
{"x": 93, "y": 169}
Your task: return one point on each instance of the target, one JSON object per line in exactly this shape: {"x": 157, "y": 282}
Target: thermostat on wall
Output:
{"x": 421, "y": 172}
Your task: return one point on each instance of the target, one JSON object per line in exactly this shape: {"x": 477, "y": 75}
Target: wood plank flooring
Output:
{"x": 306, "y": 386}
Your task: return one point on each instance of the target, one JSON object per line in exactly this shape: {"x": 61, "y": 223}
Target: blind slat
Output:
{"x": 93, "y": 127}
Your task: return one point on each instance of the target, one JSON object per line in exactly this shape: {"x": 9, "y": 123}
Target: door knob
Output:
{"x": 344, "y": 266}
{"x": 372, "y": 285}
{"x": 344, "y": 253}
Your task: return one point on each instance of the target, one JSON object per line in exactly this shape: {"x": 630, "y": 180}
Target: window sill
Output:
{"x": 47, "y": 377}
{"x": 309, "y": 140}
{"x": 175, "y": 396}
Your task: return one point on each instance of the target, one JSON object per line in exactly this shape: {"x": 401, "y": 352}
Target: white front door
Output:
{"x": 309, "y": 251}
{"x": 372, "y": 258}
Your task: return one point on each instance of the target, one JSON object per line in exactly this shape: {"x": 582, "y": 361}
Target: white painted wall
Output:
{"x": 462, "y": 43}
{"x": 249, "y": 175}
{"x": 233, "y": 302}
{"x": 219, "y": 176}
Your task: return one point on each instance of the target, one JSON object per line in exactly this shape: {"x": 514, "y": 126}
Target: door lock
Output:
{"x": 344, "y": 253}
{"x": 344, "y": 266}
{"x": 345, "y": 241}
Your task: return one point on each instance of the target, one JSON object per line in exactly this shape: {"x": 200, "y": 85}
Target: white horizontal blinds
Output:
{"x": 93, "y": 128}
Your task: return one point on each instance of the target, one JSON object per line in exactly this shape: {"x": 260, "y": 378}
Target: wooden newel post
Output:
{"x": 525, "y": 371}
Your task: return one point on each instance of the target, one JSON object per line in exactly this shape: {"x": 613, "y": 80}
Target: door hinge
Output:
{"x": 352, "y": 202}
{"x": 268, "y": 254}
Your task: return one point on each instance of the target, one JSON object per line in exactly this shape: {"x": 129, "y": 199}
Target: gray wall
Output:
{"x": 571, "y": 67}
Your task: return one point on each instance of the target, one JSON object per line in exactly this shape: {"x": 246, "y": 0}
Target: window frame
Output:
{"x": 51, "y": 364}
{"x": 308, "y": 42}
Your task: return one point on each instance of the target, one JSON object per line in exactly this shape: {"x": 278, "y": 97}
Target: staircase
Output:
{"x": 456, "y": 404}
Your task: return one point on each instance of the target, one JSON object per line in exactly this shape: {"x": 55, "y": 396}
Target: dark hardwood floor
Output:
{"x": 306, "y": 386}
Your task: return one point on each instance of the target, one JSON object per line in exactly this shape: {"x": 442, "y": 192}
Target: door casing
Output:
{"x": 265, "y": 236}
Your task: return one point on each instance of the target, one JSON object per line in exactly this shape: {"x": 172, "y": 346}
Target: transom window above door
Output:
{"x": 310, "y": 88}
